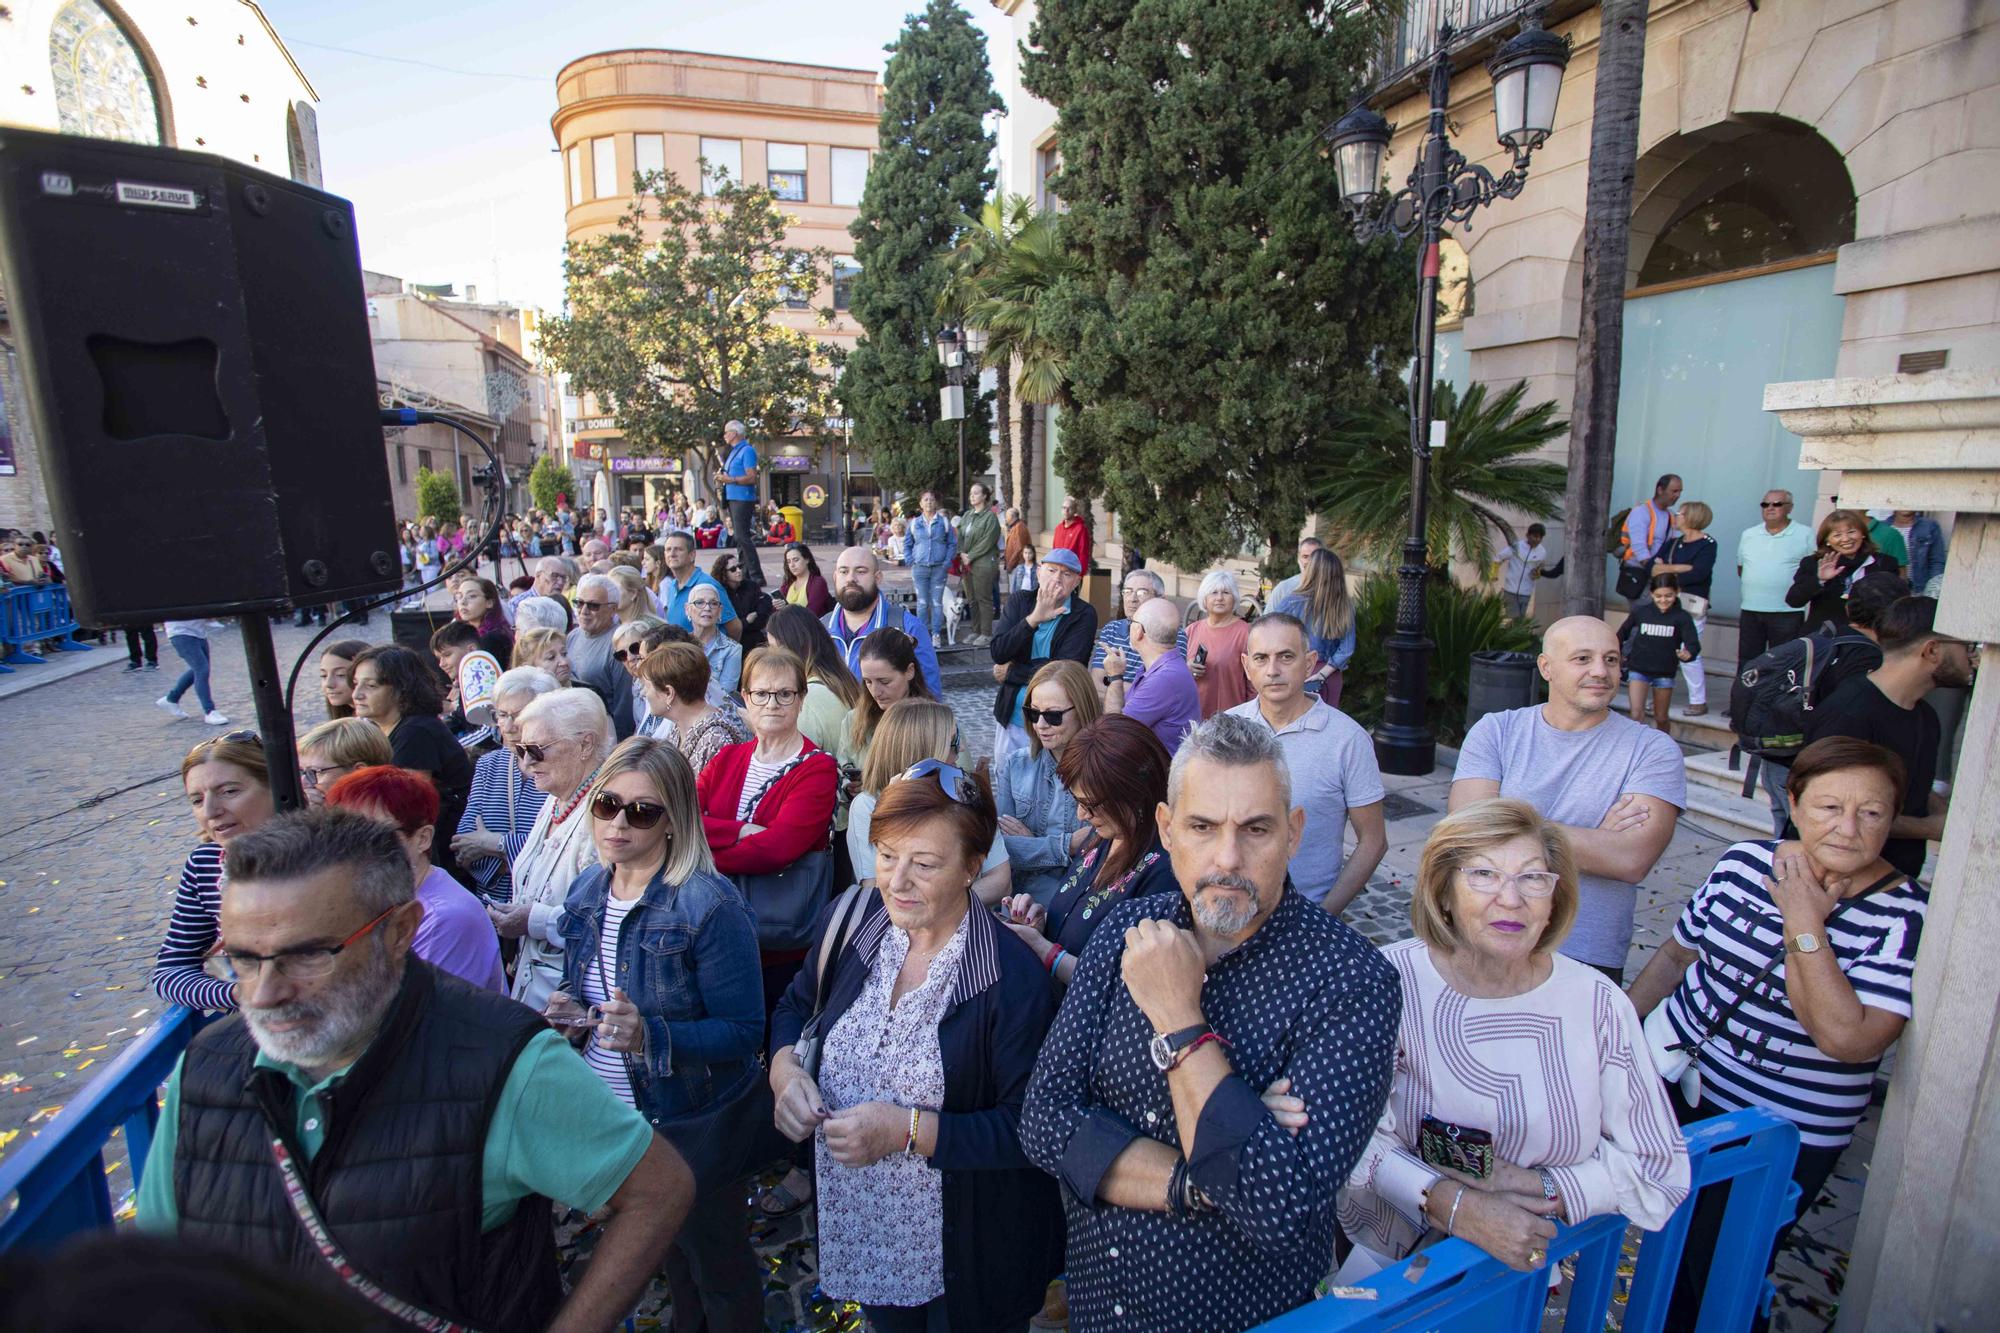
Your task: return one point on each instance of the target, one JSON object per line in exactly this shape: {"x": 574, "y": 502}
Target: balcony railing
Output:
{"x": 1477, "y": 25}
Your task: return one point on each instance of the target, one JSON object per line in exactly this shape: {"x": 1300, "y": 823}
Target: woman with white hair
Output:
{"x": 501, "y": 811}
{"x": 564, "y": 737}
{"x": 1215, "y": 645}
{"x": 540, "y": 613}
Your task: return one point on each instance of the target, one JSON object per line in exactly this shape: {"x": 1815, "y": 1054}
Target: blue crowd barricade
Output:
{"x": 1455, "y": 1285}
{"x": 56, "y": 1184}
{"x": 31, "y": 613}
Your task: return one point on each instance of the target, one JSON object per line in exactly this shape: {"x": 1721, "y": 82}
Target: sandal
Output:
{"x": 781, "y": 1200}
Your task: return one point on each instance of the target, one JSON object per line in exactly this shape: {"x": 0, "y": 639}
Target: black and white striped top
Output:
{"x": 608, "y": 1065}
{"x": 191, "y": 933}
{"x": 1764, "y": 1057}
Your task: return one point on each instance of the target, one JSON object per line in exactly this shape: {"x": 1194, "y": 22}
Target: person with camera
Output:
{"x": 1524, "y": 1092}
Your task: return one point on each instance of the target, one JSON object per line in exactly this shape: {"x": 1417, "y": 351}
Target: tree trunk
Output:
{"x": 1600, "y": 341}
{"x": 1003, "y": 408}
{"x": 1034, "y": 440}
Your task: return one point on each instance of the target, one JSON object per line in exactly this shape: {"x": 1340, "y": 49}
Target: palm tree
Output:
{"x": 1361, "y": 484}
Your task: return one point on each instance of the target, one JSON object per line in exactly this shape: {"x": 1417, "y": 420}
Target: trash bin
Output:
{"x": 1499, "y": 681}
{"x": 797, "y": 518}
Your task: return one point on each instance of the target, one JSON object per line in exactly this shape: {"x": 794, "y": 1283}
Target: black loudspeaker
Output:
{"x": 194, "y": 337}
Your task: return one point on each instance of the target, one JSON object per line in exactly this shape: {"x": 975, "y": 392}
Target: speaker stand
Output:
{"x": 274, "y": 722}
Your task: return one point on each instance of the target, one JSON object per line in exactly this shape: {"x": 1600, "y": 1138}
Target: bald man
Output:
{"x": 1163, "y": 693}
{"x": 863, "y": 609}
{"x": 1615, "y": 785}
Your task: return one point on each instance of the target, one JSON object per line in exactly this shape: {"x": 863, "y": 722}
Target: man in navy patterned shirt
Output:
{"x": 1195, "y": 1200}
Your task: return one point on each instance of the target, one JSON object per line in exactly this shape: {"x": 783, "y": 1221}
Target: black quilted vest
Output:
{"x": 397, "y": 1178}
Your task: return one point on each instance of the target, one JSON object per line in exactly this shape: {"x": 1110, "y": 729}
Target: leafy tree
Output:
{"x": 1360, "y": 486}
{"x": 1225, "y": 306}
{"x": 437, "y": 496}
{"x": 547, "y": 482}
{"x": 932, "y": 169}
{"x": 668, "y": 320}
{"x": 1460, "y": 621}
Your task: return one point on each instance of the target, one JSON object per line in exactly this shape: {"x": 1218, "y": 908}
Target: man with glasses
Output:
{"x": 1140, "y": 587}
{"x": 683, "y": 576}
{"x": 370, "y": 1120}
{"x": 591, "y": 663}
{"x": 863, "y": 609}
{"x": 1767, "y": 555}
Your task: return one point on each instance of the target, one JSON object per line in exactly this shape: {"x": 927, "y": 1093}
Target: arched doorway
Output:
{"x": 1730, "y": 288}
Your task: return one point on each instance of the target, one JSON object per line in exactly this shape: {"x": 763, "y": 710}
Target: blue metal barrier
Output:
{"x": 57, "y": 1182}
{"x": 1459, "y": 1287}
{"x": 32, "y": 613}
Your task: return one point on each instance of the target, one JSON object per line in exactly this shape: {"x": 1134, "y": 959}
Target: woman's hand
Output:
{"x": 1021, "y": 909}
{"x": 1804, "y": 897}
{"x": 863, "y": 1135}
{"x": 1287, "y": 1110}
{"x": 621, "y": 1028}
{"x": 480, "y": 844}
{"x": 1507, "y": 1179}
{"x": 800, "y": 1109}
{"x": 1517, "y": 1236}
{"x": 1829, "y": 565}
{"x": 567, "y": 1015}
{"x": 1009, "y": 824}
{"x": 1684, "y": 654}
{"x": 1197, "y": 667}
{"x": 510, "y": 922}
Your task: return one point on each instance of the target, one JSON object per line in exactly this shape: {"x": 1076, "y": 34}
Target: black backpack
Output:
{"x": 1772, "y": 698}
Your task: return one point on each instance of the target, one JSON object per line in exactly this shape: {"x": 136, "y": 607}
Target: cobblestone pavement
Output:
{"x": 94, "y": 832}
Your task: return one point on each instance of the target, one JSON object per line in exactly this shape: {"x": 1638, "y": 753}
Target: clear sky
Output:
{"x": 454, "y": 175}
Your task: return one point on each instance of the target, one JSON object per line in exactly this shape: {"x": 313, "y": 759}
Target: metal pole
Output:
{"x": 964, "y": 408}
{"x": 1404, "y": 741}
{"x": 274, "y": 724}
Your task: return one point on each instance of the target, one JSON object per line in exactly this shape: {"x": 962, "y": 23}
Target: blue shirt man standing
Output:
{"x": 738, "y": 479}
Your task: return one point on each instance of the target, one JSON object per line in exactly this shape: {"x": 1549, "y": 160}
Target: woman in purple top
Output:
{"x": 455, "y": 935}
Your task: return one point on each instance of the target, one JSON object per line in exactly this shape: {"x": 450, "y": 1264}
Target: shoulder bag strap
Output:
{"x": 336, "y": 1259}
{"x": 846, "y": 911}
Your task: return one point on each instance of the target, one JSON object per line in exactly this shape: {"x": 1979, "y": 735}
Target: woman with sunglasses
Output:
{"x": 403, "y": 694}
{"x": 501, "y": 809}
{"x": 932, "y": 1018}
{"x": 228, "y": 788}
{"x": 725, "y": 655}
{"x": 663, "y": 950}
{"x": 673, "y": 680}
{"x": 565, "y": 735}
{"x": 753, "y": 605}
{"x": 912, "y": 731}
{"x": 804, "y": 585}
{"x": 1038, "y": 816}
{"x": 628, "y": 649}
{"x": 1116, "y": 769}
{"x": 332, "y": 750}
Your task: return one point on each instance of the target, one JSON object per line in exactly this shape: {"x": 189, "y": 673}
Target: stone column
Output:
{"x": 1930, "y": 1219}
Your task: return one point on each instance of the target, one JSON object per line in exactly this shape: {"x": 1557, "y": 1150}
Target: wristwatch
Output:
{"x": 1168, "y": 1047}
{"x": 1805, "y": 942}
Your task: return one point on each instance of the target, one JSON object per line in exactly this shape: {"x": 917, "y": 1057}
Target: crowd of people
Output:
{"x": 643, "y": 880}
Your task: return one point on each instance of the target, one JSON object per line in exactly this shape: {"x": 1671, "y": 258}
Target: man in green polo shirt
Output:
{"x": 979, "y": 547}
{"x": 367, "y": 1119}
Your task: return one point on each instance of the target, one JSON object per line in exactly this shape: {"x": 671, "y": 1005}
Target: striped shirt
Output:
{"x": 1765, "y": 1058}
{"x": 608, "y": 1065}
{"x": 191, "y": 933}
{"x": 757, "y": 780}
{"x": 494, "y": 777}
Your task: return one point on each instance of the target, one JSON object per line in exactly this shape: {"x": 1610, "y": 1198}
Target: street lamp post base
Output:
{"x": 1405, "y": 751}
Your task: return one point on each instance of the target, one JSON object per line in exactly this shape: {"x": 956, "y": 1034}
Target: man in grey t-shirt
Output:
{"x": 1615, "y": 785}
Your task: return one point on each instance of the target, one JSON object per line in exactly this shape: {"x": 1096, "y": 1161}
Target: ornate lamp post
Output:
{"x": 1442, "y": 189}
{"x": 951, "y": 355}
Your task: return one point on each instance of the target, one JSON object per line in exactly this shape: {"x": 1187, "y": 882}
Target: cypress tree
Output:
{"x": 1224, "y": 310}
{"x": 931, "y": 173}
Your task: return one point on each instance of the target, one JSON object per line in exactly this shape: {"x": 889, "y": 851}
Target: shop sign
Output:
{"x": 791, "y": 463}
{"x": 815, "y": 496}
{"x": 647, "y": 465}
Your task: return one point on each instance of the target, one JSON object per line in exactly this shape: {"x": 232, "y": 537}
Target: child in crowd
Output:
{"x": 1656, "y": 639}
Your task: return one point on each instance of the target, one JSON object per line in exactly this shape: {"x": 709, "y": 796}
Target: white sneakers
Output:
{"x": 214, "y": 718}
{"x": 169, "y": 707}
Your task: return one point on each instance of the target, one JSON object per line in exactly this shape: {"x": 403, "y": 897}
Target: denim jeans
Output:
{"x": 930, "y": 581}
{"x": 193, "y": 651}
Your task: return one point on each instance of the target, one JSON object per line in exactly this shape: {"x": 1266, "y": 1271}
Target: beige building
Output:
{"x": 205, "y": 75}
{"x": 806, "y": 131}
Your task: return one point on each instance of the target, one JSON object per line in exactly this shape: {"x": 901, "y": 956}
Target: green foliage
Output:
{"x": 1001, "y": 277}
{"x": 932, "y": 169}
{"x": 1460, "y": 621}
{"x": 437, "y": 496}
{"x": 1360, "y": 484}
{"x": 668, "y": 320}
{"x": 547, "y": 482}
{"x": 1223, "y": 303}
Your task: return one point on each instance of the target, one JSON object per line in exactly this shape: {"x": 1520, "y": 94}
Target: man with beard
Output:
{"x": 367, "y": 1118}
{"x": 863, "y": 610}
{"x": 1217, "y": 1067}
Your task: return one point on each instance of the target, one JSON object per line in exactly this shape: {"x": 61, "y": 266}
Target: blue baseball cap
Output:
{"x": 1065, "y": 557}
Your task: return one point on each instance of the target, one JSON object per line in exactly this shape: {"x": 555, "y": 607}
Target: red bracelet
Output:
{"x": 1055, "y": 956}
{"x": 1197, "y": 1044}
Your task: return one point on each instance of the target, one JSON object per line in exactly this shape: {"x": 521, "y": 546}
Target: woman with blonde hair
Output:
{"x": 1322, "y": 604}
{"x": 547, "y": 649}
{"x": 633, "y": 599}
{"x": 332, "y": 750}
{"x": 228, "y": 786}
{"x": 1038, "y": 818}
{"x": 912, "y": 731}
{"x": 1491, "y": 1140}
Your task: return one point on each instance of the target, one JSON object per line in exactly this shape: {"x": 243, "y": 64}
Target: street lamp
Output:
{"x": 1443, "y": 188}
{"x": 951, "y": 355}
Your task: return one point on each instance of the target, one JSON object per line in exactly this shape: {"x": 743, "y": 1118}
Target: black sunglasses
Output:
{"x": 1052, "y": 716}
{"x": 638, "y": 814}
{"x": 629, "y": 651}
{"x": 955, "y": 781}
{"x": 534, "y": 754}
{"x": 1772, "y": 504}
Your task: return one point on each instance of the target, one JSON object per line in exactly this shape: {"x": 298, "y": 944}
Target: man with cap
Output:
{"x": 1037, "y": 628}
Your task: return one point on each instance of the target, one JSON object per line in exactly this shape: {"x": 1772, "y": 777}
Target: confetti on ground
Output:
{"x": 93, "y": 1060}
{"x": 143, "y": 1012}
{"x": 25, "y": 1040}
{"x": 46, "y": 1113}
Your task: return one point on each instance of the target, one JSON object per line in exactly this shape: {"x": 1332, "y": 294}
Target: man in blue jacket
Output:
{"x": 863, "y": 610}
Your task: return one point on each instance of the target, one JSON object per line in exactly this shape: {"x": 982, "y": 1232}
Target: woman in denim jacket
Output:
{"x": 1037, "y": 814}
{"x": 661, "y": 987}
{"x": 1927, "y": 548}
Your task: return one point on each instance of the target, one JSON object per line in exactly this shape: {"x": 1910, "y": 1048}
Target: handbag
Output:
{"x": 785, "y": 903}
{"x": 1695, "y": 605}
{"x": 847, "y": 911}
{"x": 1631, "y": 581}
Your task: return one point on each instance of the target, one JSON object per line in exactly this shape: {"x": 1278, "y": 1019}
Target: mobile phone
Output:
{"x": 1466, "y": 1151}
{"x": 1201, "y": 655}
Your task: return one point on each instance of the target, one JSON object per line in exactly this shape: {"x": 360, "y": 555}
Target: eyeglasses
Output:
{"x": 954, "y": 781}
{"x": 771, "y": 698}
{"x": 1531, "y": 883}
{"x": 297, "y": 964}
{"x": 629, "y": 652}
{"x": 535, "y": 754}
{"x": 581, "y": 605}
{"x": 709, "y": 602}
{"x": 638, "y": 814}
{"x": 1052, "y": 716}
{"x": 315, "y": 776}
{"x": 1772, "y": 504}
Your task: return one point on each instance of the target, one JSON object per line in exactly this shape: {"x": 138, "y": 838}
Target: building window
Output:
{"x": 402, "y": 466}
{"x": 723, "y": 161}
{"x": 845, "y": 271}
{"x": 604, "y": 168}
{"x": 575, "y": 174}
{"x": 424, "y": 461}
{"x": 850, "y": 173}
{"x": 785, "y": 164}
{"x": 1048, "y": 164}
{"x": 794, "y": 298}
{"x": 102, "y": 86}
{"x": 649, "y": 154}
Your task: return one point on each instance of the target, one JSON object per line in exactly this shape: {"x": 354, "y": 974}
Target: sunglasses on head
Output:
{"x": 1052, "y": 716}
{"x": 244, "y": 735}
{"x": 638, "y": 814}
{"x": 954, "y": 781}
